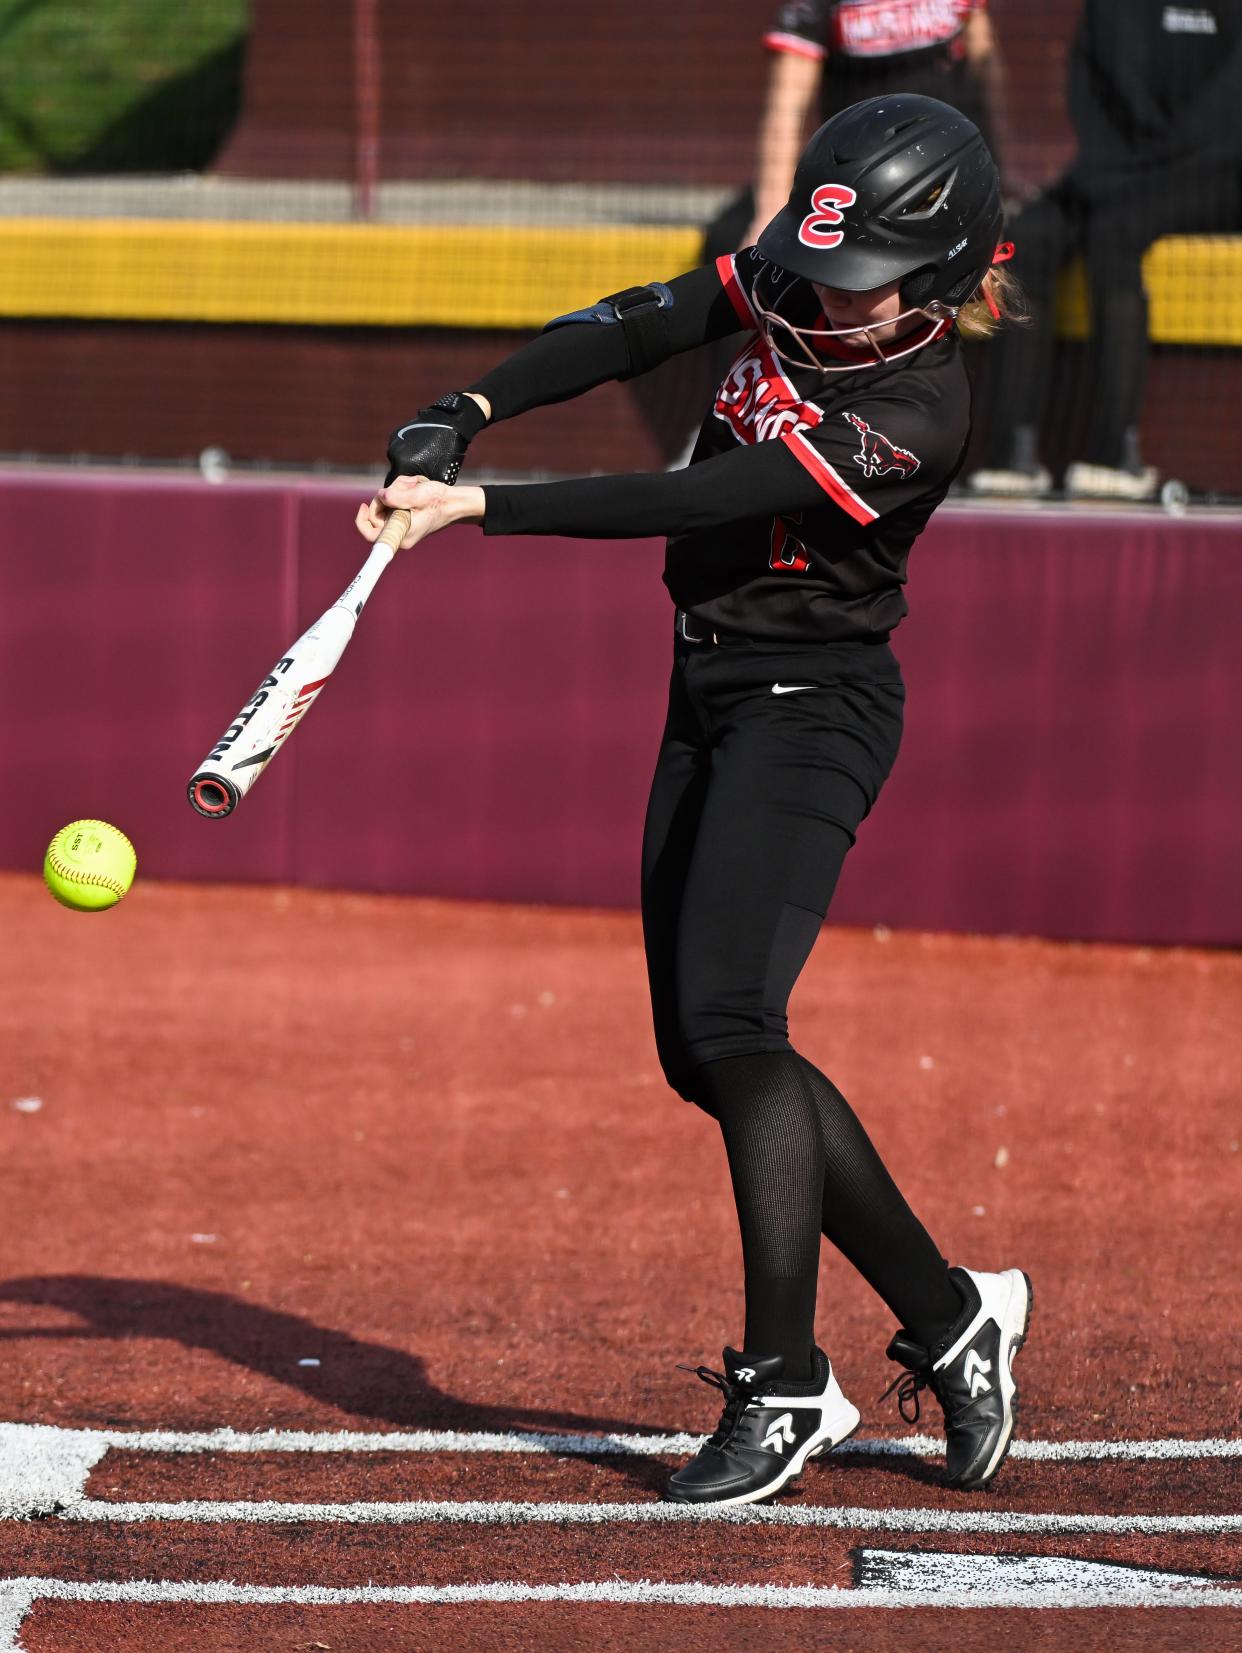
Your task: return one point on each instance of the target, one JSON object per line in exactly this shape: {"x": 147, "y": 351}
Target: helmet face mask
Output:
{"x": 853, "y": 347}
{"x": 799, "y": 332}
{"x": 898, "y": 189}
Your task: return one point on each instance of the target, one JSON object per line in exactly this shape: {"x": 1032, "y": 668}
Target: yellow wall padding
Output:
{"x": 1194, "y": 283}
{"x": 448, "y": 275}
{"x": 425, "y": 275}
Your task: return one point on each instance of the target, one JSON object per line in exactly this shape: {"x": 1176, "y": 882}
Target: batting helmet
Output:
{"x": 899, "y": 188}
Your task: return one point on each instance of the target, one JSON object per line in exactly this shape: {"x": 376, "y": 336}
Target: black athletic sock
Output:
{"x": 866, "y": 1217}
{"x": 772, "y": 1138}
{"x": 800, "y": 1160}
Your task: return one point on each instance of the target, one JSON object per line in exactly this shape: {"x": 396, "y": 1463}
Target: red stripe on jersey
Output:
{"x": 777, "y": 42}
{"x": 833, "y": 484}
{"x": 726, "y": 269}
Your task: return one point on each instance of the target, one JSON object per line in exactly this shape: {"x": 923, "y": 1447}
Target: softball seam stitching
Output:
{"x": 74, "y": 875}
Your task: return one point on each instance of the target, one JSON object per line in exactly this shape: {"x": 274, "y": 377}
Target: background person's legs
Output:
{"x": 1176, "y": 201}
{"x": 1019, "y": 358}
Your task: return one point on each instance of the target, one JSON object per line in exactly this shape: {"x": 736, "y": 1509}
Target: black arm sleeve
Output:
{"x": 759, "y": 481}
{"x": 563, "y": 363}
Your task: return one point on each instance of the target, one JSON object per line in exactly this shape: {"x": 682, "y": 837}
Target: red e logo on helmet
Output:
{"x": 826, "y": 202}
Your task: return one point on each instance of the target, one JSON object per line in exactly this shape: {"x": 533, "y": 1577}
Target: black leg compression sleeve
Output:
{"x": 799, "y": 1159}
{"x": 866, "y": 1217}
{"x": 773, "y": 1141}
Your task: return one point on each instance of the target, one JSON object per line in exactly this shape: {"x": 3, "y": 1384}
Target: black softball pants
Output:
{"x": 771, "y": 757}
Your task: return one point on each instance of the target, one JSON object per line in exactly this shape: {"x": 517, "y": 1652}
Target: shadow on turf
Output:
{"x": 924, "y": 1472}
{"x": 365, "y": 1380}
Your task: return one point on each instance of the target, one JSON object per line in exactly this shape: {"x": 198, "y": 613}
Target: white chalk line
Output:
{"x": 44, "y": 1469}
{"x": 1140, "y": 1589}
{"x": 15, "y": 1602}
{"x": 886, "y": 1579}
{"x": 504, "y": 1512}
{"x": 619, "y": 1445}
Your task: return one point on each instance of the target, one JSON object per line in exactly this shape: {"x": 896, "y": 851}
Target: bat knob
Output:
{"x": 213, "y": 796}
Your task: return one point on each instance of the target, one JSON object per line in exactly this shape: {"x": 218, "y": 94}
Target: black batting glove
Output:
{"x": 434, "y": 443}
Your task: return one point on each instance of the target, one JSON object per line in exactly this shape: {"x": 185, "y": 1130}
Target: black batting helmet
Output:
{"x": 899, "y": 188}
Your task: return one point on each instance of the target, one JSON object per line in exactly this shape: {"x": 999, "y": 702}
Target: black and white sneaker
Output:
{"x": 970, "y": 1372}
{"x": 766, "y": 1433}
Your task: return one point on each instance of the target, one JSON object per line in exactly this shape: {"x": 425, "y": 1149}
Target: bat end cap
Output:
{"x": 213, "y": 796}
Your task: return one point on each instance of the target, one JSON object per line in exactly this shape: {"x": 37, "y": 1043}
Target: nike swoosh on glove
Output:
{"x": 434, "y": 443}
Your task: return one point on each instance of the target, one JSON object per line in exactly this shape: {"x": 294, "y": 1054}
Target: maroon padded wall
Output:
{"x": 1071, "y": 765}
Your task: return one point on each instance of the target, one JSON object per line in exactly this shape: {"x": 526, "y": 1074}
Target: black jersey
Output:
{"x": 883, "y": 445}
{"x": 871, "y": 47}
{"x": 795, "y": 516}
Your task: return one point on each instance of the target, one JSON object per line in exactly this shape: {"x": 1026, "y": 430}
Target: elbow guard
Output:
{"x": 642, "y": 313}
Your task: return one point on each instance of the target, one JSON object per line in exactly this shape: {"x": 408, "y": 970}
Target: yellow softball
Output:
{"x": 89, "y": 865}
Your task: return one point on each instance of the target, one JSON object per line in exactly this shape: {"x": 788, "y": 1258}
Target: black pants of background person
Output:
{"x": 1112, "y": 236}
{"x": 771, "y": 757}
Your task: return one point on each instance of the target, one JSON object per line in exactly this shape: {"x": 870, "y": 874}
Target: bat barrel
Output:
{"x": 289, "y": 690}
{"x": 213, "y": 796}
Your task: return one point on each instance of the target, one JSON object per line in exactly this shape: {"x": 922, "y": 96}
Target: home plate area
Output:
{"x": 436, "y": 1192}
{"x": 125, "y": 1539}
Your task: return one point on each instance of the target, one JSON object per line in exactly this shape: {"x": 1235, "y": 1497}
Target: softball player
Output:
{"x": 833, "y": 437}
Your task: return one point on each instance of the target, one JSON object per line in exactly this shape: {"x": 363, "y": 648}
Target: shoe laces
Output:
{"x": 907, "y": 1384}
{"x": 738, "y": 1397}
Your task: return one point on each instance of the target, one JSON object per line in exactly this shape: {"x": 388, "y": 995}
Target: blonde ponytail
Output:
{"x": 978, "y": 318}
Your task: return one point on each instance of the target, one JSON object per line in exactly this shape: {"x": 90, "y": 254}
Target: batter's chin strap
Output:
{"x": 642, "y": 315}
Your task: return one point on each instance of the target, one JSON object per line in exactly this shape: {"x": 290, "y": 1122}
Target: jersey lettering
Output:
{"x": 883, "y": 28}
{"x": 757, "y": 401}
{"x": 787, "y": 554}
{"x": 826, "y": 203}
{"x": 1188, "y": 20}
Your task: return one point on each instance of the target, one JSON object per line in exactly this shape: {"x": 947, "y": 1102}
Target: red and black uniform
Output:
{"x": 881, "y": 446}
{"x": 794, "y": 519}
{"x": 871, "y": 47}
{"x": 788, "y": 535}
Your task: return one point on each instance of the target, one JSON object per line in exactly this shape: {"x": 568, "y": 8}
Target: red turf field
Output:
{"x": 427, "y": 1147}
